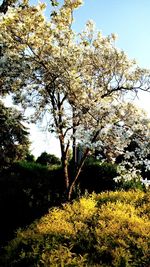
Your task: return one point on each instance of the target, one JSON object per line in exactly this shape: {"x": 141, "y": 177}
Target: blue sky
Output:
{"x": 129, "y": 19}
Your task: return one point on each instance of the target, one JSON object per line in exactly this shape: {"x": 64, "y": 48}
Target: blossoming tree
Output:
{"x": 78, "y": 79}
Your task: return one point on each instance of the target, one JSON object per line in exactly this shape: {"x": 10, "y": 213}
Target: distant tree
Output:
{"x": 14, "y": 141}
{"x": 30, "y": 157}
{"x": 47, "y": 159}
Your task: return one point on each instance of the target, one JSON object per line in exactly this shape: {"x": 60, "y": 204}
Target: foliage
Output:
{"x": 102, "y": 174}
{"x": 47, "y": 159}
{"x": 108, "y": 229}
{"x": 27, "y": 191}
{"x": 39, "y": 187}
{"x": 134, "y": 163}
{"x": 134, "y": 183}
{"x": 30, "y": 157}
{"x": 14, "y": 140}
{"x": 78, "y": 79}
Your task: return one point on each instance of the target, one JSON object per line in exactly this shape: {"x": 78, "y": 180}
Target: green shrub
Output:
{"x": 98, "y": 177}
{"x": 131, "y": 184}
{"x": 107, "y": 229}
{"x": 27, "y": 191}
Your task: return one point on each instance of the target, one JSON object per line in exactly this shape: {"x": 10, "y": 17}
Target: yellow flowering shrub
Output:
{"x": 107, "y": 229}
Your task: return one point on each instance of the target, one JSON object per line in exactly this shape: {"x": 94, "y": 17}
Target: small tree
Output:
{"x": 14, "y": 141}
{"x": 79, "y": 80}
{"x": 47, "y": 159}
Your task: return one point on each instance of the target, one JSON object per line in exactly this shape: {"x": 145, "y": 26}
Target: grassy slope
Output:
{"x": 107, "y": 229}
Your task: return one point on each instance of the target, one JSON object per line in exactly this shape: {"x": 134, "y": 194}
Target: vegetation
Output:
{"x": 27, "y": 191}
{"x": 108, "y": 229}
{"x": 39, "y": 187}
{"x": 79, "y": 80}
{"x": 48, "y": 159}
{"x": 14, "y": 137}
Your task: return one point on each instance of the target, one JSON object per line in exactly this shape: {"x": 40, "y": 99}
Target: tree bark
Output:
{"x": 74, "y": 146}
{"x": 64, "y": 160}
{"x": 65, "y": 172}
{"x": 78, "y": 173}
{"x": 79, "y": 168}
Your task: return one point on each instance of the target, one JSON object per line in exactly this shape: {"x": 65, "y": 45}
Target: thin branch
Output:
{"x": 4, "y": 6}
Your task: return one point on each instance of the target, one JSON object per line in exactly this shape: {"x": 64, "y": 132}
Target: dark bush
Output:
{"x": 27, "y": 190}
{"x": 98, "y": 177}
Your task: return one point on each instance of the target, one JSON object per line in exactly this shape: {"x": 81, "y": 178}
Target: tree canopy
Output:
{"x": 47, "y": 159}
{"x": 80, "y": 80}
{"x": 14, "y": 141}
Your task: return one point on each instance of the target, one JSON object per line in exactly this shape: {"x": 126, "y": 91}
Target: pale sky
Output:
{"x": 130, "y": 20}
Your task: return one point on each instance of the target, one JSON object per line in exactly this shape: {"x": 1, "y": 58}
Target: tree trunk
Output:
{"x": 64, "y": 161}
{"x": 65, "y": 172}
{"x": 77, "y": 173}
{"x": 86, "y": 153}
{"x": 74, "y": 150}
{"x": 74, "y": 146}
